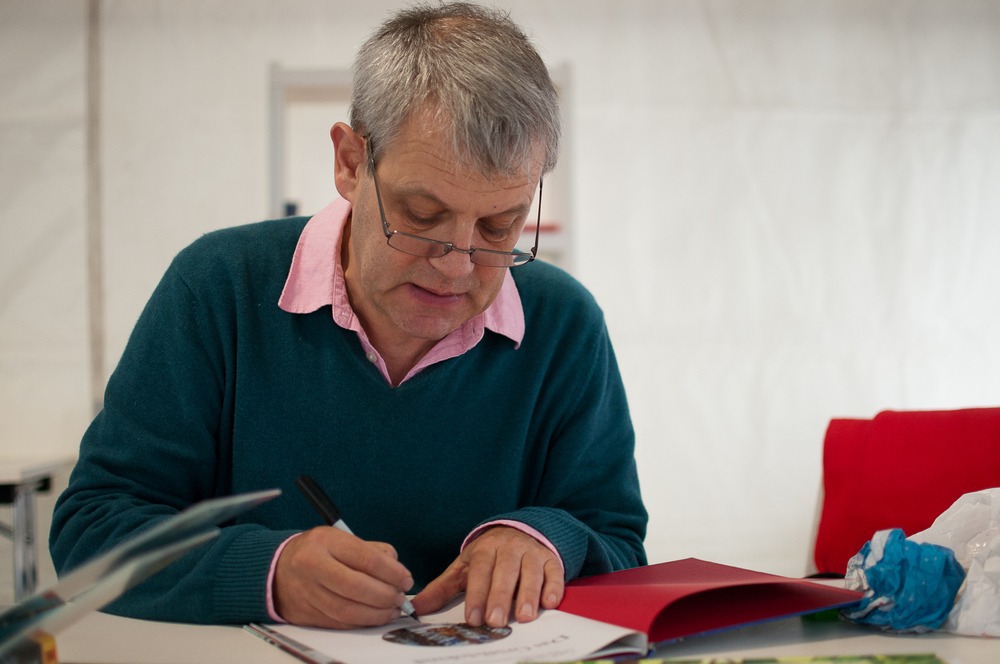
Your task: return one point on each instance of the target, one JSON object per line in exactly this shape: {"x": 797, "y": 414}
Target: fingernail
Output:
{"x": 475, "y": 617}
{"x": 552, "y": 600}
{"x": 496, "y": 617}
{"x": 526, "y": 611}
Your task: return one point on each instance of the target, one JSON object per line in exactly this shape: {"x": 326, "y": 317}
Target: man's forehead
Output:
{"x": 446, "y": 190}
{"x": 410, "y": 164}
{"x": 425, "y": 138}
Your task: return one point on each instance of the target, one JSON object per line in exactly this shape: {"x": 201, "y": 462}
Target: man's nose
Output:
{"x": 456, "y": 263}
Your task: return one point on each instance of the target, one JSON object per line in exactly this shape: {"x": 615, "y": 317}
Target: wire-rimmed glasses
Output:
{"x": 415, "y": 245}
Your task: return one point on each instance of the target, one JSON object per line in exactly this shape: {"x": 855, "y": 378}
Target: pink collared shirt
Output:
{"x": 316, "y": 279}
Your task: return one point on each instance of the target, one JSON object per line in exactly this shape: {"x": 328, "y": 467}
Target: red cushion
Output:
{"x": 900, "y": 470}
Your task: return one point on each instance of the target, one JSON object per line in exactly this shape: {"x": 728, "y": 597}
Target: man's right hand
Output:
{"x": 329, "y": 578}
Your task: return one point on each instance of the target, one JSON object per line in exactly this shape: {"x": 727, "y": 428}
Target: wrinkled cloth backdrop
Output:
{"x": 789, "y": 210}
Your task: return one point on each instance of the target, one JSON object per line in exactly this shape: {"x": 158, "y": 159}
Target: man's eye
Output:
{"x": 496, "y": 233}
{"x": 417, "y": 221}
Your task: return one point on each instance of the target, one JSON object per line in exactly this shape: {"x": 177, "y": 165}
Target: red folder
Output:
{"x": 674, "y": 600}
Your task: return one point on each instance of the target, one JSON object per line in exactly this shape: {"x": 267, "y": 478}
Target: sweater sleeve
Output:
{"x": 588, "y": 503}
{"x": 159, "y": 445}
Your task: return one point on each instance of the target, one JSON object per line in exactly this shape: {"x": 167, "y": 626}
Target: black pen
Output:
{"x": 318, "y": 499}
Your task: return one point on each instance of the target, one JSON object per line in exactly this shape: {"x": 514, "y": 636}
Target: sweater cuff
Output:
{"x": 240, "y": 593}
{"x": 524, "y": 528}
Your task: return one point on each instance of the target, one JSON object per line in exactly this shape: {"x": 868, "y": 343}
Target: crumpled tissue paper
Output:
{"x": 971, "y": 528}
{"x": 909, "y": 586}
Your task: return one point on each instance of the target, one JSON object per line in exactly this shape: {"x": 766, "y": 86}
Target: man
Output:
{"x": 460, "y": 403}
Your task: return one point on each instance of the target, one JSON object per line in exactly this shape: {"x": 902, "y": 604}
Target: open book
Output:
{"x": 443, "y": 638}
{"x": 621, "y": 613}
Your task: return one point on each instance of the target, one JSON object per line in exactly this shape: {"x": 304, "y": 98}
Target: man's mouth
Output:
{"x": 434, "y": 297}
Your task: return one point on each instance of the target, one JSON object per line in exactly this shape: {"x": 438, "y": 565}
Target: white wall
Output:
{"x": 43, "y": 317}
{"x": 44, "y": 361}
{"x": 790, "y": 211}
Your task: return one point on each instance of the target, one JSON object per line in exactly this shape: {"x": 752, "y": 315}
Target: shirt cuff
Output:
{"x": 271, "y": 611}
{"x": 524, "y": 528}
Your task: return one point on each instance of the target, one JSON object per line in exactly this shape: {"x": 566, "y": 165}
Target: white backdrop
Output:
{"x": 789, "y": 210}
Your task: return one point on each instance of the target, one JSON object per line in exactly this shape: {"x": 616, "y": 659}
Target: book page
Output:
{"x": 553, "y": 636}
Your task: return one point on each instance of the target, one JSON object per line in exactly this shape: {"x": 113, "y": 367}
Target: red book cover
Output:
{"x": 673, "y": 600}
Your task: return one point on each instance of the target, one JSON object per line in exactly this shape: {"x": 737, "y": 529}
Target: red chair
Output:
{"x": 900, "y": 469}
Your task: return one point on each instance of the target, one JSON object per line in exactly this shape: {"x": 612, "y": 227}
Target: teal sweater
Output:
{"x": 219, "y": 391}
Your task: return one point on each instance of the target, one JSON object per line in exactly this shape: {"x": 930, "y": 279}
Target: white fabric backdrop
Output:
{"x": 789, "y": 210}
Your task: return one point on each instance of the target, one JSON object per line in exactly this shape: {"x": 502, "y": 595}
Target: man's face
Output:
{"x": 410, "y": 301}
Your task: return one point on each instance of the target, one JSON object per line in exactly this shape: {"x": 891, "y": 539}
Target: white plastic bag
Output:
{"x": 971, "y": 528}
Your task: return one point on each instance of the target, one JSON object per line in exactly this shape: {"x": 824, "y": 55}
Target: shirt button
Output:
{"x": 371, "y": 357}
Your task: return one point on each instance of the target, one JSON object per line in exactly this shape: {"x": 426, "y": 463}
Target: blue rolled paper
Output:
{"x": 909, "y": 586}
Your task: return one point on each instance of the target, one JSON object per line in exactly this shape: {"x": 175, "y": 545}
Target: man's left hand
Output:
{"x": 501, "y": 568}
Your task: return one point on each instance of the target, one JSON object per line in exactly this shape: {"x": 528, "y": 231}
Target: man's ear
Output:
{"x": 350, "y": 159}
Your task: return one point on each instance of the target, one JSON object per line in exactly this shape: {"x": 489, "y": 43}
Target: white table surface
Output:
{"x": 104, "y": 639}
{"x": 798, "y": 637}
{"x": 100, "y": 638}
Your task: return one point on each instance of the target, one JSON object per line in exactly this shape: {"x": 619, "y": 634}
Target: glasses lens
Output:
{"x": 417, "y": 246}
{"x": 500, "y": 258}
{"x": 428, "y": 248}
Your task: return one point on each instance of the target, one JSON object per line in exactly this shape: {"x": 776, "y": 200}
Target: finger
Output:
{"x": 329, "y": 578}
{"x": 441, "y": 590}
{"x": 342, "y": 578}
{"x": 504, "y": 578}
{"x": 313, "y": 587}
{"x": 529, "y": 589}
{"x": 555, "y": 585}
{"x": 323, "y": 608}
{"x": 479, "y": 579}
{"x": 386, "y": 548}
{"x": 377, "y": 560}
{"x": 540, "y": 586}
{"x": 360, "y": 572}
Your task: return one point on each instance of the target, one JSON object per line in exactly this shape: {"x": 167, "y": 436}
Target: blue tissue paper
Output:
{"x": 908, "y": 586}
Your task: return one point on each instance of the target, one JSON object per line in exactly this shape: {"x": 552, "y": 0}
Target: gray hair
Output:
{"x": 474, "y": 69}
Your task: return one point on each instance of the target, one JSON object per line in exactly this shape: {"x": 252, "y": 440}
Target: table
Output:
{"x": 798, "y": 637}
{"x": 100, "y": 638}
{"x": 113, "y": 640}
{"x": 20, "y": 481}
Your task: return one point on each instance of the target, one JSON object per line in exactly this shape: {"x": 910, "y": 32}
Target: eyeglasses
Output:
{"x": 424, "y": 247}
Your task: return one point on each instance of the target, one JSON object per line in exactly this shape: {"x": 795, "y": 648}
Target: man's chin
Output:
{"x": 432, "y": 331}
